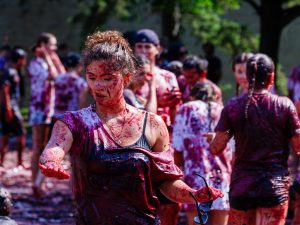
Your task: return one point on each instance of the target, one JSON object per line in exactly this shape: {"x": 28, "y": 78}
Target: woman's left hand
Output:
{"x": 203, "y": 196}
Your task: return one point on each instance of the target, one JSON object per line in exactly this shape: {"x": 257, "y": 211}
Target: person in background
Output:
{"x": 195, "y": 70}
{"x": 11, "y": 118}
{"x": 70, "y": 89}
{"x": 214, "y": 69}
{"x": 142, "y": 76}
{"x": 239, "y": 70}
{"x": 5, "y": 208}
{"x": 120, "y": 154}
{"x": 43, "y": 68}
{"x": 194, "y": 119}
{"x": 168, "y": 99}
{"x": 263, "y": 125}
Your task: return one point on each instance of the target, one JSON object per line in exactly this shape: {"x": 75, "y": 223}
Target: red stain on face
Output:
{"x": 106, "y": 86}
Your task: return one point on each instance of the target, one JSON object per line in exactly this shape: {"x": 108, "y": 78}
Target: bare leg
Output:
{"x": 40, "y": 134}
{"x": 168, "y": 213}
{"x": 272, "y": 216}
{"x": 219, "y": 217}
{"x": 20, "y": 148}
{"x": 4, "y": 148}
{"x": 238, "y": 217}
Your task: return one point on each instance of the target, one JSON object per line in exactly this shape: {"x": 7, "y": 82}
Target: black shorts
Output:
{"x": 14, "y": 127}
{"x": 250, "y": 191}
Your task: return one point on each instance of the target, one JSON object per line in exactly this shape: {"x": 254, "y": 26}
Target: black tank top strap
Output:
{"x": 145, "y": 123}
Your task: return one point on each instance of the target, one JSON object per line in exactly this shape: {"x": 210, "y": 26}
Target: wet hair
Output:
{"x": 112, "y": 48}
{"x": 195, "y": 62}
{"x": 204, "y": 91}
{"x": 241, "y": 58}
{"x": 5, "y": 202}
{"x": 175, "y": 67}
{"x": 259, "y": 67}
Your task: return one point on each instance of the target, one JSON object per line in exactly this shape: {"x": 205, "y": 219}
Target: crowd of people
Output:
{"x": 154, "y": 137}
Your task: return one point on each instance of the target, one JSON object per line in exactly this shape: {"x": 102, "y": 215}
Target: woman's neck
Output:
{"x": 113, "y": 110}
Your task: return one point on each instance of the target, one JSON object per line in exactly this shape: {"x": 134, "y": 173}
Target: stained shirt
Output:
{"x": 68, "y": 87}
{"x": 261, "y": 141}
{"x": 114, "y": 184}
{"x": 42, "y": 99}
{"x": 191, "y": 122}
{"x": 165, "y": 81}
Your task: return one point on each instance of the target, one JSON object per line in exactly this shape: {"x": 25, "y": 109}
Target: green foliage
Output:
{"x": 231, "y": 36}
{"x": 281, "y": 81}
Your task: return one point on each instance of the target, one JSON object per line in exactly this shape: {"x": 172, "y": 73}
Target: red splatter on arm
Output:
{"x": 178, "y": 191}
{"x": 58, "y": 145}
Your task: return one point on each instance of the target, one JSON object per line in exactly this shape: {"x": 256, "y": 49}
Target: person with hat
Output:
{"x": 11, "y": 118}
{"x": 168, "y": 98}
{"x": 167, "y": 90}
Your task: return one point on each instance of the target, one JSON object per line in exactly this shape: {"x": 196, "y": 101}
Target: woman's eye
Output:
{"x": 92, "y": 78}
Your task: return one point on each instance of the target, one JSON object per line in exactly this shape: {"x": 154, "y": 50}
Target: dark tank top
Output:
{"x": 114, "y": 184}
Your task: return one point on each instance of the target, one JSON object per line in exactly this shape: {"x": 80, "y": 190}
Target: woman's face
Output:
{"x": 51, "y": 45}
{"x": 105, "y": 86}
{"x": 240, "y": 75}
{"x": 141, "y": 75}
{"x": 147, "y": 49}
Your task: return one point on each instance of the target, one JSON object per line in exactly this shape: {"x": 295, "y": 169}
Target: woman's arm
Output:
{"x": 176, "y": 190}
{"x": 57, "y": 63}
{"x": 151, "y": 105}
{"x": 54, "y": 152}
{"x": 295, "y": 143}
{"x": 218, "y": 141}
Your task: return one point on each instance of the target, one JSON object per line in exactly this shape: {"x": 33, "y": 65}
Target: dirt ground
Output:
{"x": 55, "y": 207}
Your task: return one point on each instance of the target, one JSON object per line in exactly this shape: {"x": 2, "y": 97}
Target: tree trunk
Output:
{"x": 171, "y": 20}
{"x": 270, "y": 29}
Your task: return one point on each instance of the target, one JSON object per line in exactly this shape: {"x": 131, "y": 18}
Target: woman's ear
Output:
{"x": 270, "y": 80}
{"x": 127, "y": 78}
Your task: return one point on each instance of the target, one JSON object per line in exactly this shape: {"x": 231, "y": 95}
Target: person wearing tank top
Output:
{"x": 120, "y": 154}
{"x": 263, "y": 125}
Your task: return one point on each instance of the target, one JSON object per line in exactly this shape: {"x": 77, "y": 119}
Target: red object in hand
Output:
{"x": 51, "y": 169}
{"x": 203, "y": 196}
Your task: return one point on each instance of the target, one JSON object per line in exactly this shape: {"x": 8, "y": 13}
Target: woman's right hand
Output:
{"x": 53, "y": 169}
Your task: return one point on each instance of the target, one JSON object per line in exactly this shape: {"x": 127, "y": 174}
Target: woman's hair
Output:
{"x": 195, "y": 62}
{"x": 44, "y": 38}
{"x": 259, "y": 67}
{"x": 142, "y": 60}
{"x": 111, "y": 47}
{"x": 241, "y": 58}
{"x": 204, "y": 91}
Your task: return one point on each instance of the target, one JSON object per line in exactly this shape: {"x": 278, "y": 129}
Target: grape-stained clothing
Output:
{"x": 68, "y": 87}
{"x": 41, "y": 107}
{"x": 114, "y": 184}
{"x": 260, "y": 174}
{"x": 191, "y": 122}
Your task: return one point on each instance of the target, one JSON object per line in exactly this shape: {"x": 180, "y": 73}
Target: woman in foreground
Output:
{"x": 119, "y": 154}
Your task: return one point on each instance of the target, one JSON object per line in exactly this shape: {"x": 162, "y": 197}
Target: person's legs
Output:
{"x": 238, "y": 217}
{"x": 3, "y": 148}
{"x": 272, "y": 216}
{"x": 21, "y": 140}
{"x": 190, "y": 215}
{"x": 40, "y": 135}
{"x": 219, "y": 217}
{"x": 168, "y": 213}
